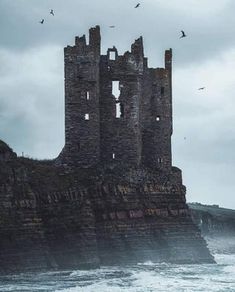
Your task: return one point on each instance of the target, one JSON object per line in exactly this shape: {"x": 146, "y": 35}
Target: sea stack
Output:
{"x": 112, "y": 196}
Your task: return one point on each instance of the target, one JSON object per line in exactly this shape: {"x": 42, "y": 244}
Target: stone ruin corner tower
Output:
{"x": 116, "y": 108}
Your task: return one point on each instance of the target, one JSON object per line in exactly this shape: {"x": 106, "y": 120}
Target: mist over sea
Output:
{"x": 138, "y": 278}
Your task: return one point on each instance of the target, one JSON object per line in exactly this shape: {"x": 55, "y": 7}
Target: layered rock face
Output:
{"x": 217, "y": 226}
{"x": 213, "y": 220}
{"x": 92, "y": 217}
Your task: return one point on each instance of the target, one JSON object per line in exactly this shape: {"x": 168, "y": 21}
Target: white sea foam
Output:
{"x": 144, "y": 277}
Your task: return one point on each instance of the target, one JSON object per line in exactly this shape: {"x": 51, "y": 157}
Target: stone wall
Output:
{"x": 82, "y": 114}
{"x": 121, "y": 136}
{"x": 116, "y": 108}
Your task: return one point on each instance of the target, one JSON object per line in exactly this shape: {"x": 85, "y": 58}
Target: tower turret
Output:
{"x": 82, "y": 119}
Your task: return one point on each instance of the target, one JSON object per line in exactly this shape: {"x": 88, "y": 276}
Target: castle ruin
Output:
{"x": 112, "y": 196}
{"x": 116, "y": 108}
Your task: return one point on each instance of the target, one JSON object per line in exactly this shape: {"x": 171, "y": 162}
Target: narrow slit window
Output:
{"x": 118, "y": 110}
{"x": 87, "y": 117}
{"x": 113, "y": 155}
{"x": 112, "y": 55}
{"x": 87, "y": 95}
{"x": 115, "y": 89}
{"x": 158, "y": 118}
{"x": 162, "y": 90}
{"x": 160, "y": 160}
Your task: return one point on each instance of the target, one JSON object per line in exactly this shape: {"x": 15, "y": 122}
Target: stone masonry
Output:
{"x": 116, "y": 108}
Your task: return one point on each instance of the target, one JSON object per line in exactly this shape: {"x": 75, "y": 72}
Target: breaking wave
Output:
{"x": 138, "y": 278}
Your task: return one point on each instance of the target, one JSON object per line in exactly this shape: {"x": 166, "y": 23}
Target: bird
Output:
{"x": 201, "y": 88}
{"x": 52, "y": 12}
{"x": 183, "y": 34}
{"x": 42, "y": 21}
{"x": 137, "y": 5}
{"x": 112, "y": 26}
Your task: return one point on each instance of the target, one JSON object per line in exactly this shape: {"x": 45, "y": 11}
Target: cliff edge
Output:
{"x": 51, "y": 219}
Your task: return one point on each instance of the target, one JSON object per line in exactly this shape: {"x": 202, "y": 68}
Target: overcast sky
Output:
{"x": 32, "y": 89}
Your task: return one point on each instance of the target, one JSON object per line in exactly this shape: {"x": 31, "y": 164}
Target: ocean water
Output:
{"x": 144, "y": 277}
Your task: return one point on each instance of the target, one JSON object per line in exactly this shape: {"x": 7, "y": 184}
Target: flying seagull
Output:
{"x": 137, "y": 5}
{"x": 42, "y": 21}
{"x": 183, "y": 34}
{"x": 112, "y": 26}
{"x": 52, "y": 12}
{"x": 201, "y": 88}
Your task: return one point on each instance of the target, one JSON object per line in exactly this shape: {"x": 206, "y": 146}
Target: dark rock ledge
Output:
{"x": 51, "y": 219}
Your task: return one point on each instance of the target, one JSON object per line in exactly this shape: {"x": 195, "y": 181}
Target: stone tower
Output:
{"x": 116, "y": 108}
{"x": 82, "y": 94}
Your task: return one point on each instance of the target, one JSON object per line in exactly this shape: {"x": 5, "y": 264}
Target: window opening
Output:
{"x": 87, "y": 95}
{"x": 113, "y": 155}
{"x": 112, "y": 55}
{"x": 87, "y": 117}
{"x": 160, "y": 160}
{"x": 115, "y": 89}
{"x": 158, "y": 118}
{"x": 118, "y": 110}
{"x": 162, "y": 90}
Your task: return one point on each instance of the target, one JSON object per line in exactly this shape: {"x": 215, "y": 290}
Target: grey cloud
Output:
{"x": 159, "y": 23}
{"x": 210, "y": 185}
{"x": 31, "y": 101}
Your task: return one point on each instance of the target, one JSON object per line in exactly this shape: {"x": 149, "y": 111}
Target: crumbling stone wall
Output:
{"x": 121, "y": 137}
{"x": 134, "y": 124}
{"x": 82, "y": 113}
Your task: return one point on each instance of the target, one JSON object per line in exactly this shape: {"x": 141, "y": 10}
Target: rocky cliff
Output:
{"x": 121, "y": 214}
{"x": 217, "y": 226}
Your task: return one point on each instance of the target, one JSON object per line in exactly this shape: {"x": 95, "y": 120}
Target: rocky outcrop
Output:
{"x": 91, "y": 217}
{"x": 217, "y": 226}
{"x": 213, "y": 220}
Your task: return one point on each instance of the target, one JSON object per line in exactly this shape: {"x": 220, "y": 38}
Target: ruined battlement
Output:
{"x": 116, "y": 108}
